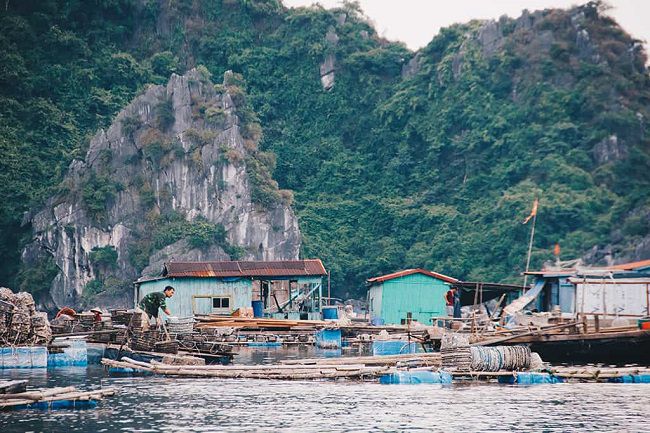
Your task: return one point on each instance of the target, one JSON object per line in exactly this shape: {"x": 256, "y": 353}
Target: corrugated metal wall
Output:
{"x": 419, "y": 294}
{"x": 374, "y": 301}
{"x": 187, "y": 289}
{"x": 617, "y": 296}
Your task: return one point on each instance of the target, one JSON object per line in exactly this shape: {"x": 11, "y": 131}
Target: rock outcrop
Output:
{"x": 175, "y": 177}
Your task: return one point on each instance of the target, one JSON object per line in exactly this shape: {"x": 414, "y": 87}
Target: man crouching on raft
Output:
{"x": 155, "y": 301}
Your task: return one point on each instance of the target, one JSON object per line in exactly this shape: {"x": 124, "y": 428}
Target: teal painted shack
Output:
{"x": 417, "y": 291}
{"x": 292, "y": 286}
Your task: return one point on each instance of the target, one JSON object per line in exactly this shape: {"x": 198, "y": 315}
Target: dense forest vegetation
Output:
{"x": 429, "y": 159}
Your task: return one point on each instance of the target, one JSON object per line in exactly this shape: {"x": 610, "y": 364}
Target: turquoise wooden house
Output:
{"x": 417, "y": 291}
{"x": 223, "y": 287}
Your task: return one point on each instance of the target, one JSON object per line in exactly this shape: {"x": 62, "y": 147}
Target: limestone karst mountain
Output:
{"x": 170, "y": 179}
{"x": 397, "y": 159}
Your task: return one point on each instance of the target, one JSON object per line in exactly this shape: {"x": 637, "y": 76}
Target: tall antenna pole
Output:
{"x": 530, "y": 249}
{"x": 329, "y": 288}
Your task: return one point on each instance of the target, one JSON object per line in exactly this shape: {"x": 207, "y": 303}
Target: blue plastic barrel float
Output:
{"x": 532, "y": 378}
{"x": 328, "y": 339}
{"x": 330, "y": 313}
{"x": 75, "y": 354}
{"x": 392, "y": 347}
{"x": 415, "y": 378}
{"x": 631, "y": 378}
{"x": 258, "y": 308}
{"x": 23, "y": 357}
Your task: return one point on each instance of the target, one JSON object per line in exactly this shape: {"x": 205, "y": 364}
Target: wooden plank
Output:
{"x": 262, "y": 372}
{"x": 525, "y": 334}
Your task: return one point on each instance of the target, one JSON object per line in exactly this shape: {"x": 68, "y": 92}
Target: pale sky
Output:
{"x": 415, "y": 22}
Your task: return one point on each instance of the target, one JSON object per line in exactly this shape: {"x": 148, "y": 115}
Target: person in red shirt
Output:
{"x": 449, "y": 301}
{"x": 97, "y": 314}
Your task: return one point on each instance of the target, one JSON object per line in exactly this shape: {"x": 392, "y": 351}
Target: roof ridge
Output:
{"x": 411, "y": 271}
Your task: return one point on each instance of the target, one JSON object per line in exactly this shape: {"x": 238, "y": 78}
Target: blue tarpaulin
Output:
{"x": 525, "y": 299}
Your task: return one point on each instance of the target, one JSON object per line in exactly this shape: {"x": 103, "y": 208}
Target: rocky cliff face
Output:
{"x": 177, "y": 176}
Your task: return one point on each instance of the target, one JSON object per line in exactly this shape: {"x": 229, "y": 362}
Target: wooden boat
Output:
{"x": 630, "y": 346}
{"x": 113, "y": 351}
{"x": 12, "y": 386}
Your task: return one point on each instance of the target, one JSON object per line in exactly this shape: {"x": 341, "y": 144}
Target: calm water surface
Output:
{"x": 148, "y": 404}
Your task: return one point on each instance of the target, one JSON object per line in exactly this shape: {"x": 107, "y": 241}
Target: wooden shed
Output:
{"x": 292, "y": 288}
{"x": 417, "y": 291}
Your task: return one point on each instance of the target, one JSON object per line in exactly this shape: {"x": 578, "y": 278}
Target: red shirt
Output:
{"x": 449, "y": 297}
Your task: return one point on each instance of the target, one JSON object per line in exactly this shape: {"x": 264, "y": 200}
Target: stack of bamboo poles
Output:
{"x": 545, "y": 330}
{"x": 596, "y": 373}
{"x": 277, "y": 371}
{"x": 581, "y": 374}
{"x": 212, "y": 321}
{"x": 68, "y": 393}
{"x": 426, "y": 359}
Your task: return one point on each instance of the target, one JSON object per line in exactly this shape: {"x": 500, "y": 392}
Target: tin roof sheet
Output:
{"x": 632, "y": 266}
{"x": 406, "y": 272}
{"x": 310, "y": 267}
{"x": 474, "y": 285}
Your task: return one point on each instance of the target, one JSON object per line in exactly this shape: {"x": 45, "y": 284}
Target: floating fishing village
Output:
{"x": 571, "y": 324}
{"x": 268, "y": 216}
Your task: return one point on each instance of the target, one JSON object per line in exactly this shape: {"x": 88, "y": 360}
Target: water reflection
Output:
{"x": 243, "y": 405}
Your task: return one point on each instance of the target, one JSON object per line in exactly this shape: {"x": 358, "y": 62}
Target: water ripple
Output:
{"x": 155, "y": 404}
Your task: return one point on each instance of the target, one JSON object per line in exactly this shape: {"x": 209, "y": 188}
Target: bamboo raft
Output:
{"x": 597, "y": 373}
{"x": 68, "y": 396}
{"x": 371, "y": 368}
{"x": 210, "y": 321}
{"x": 273, "y": 371}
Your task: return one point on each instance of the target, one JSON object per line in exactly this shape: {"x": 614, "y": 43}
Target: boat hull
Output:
{"x": 630, "y": 347}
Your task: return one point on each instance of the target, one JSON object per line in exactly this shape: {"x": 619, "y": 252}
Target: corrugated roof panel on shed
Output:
{"x": 245, "y": 268}
{"x": 409, "y": 272}
{"x": 551, "y": 272}
{"x": 631, "y": 266}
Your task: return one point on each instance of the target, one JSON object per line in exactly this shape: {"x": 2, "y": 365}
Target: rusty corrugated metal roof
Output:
{"x": 409, "y": 272}
{"x": 286, "y": 268}
{"x": 632, "y": 266}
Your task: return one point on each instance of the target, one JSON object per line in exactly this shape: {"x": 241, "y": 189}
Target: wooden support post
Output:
{"x": 597, "y": 322}
{"x": 473, "y": 328}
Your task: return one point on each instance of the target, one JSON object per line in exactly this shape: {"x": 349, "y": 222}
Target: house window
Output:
{"x": 220, "y": 302}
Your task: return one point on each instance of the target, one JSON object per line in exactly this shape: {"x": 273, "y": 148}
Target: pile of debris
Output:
{"x": 20, "y": 323}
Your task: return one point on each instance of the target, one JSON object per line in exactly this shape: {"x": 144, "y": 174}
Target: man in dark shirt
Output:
{"x": 155, "y": 301}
